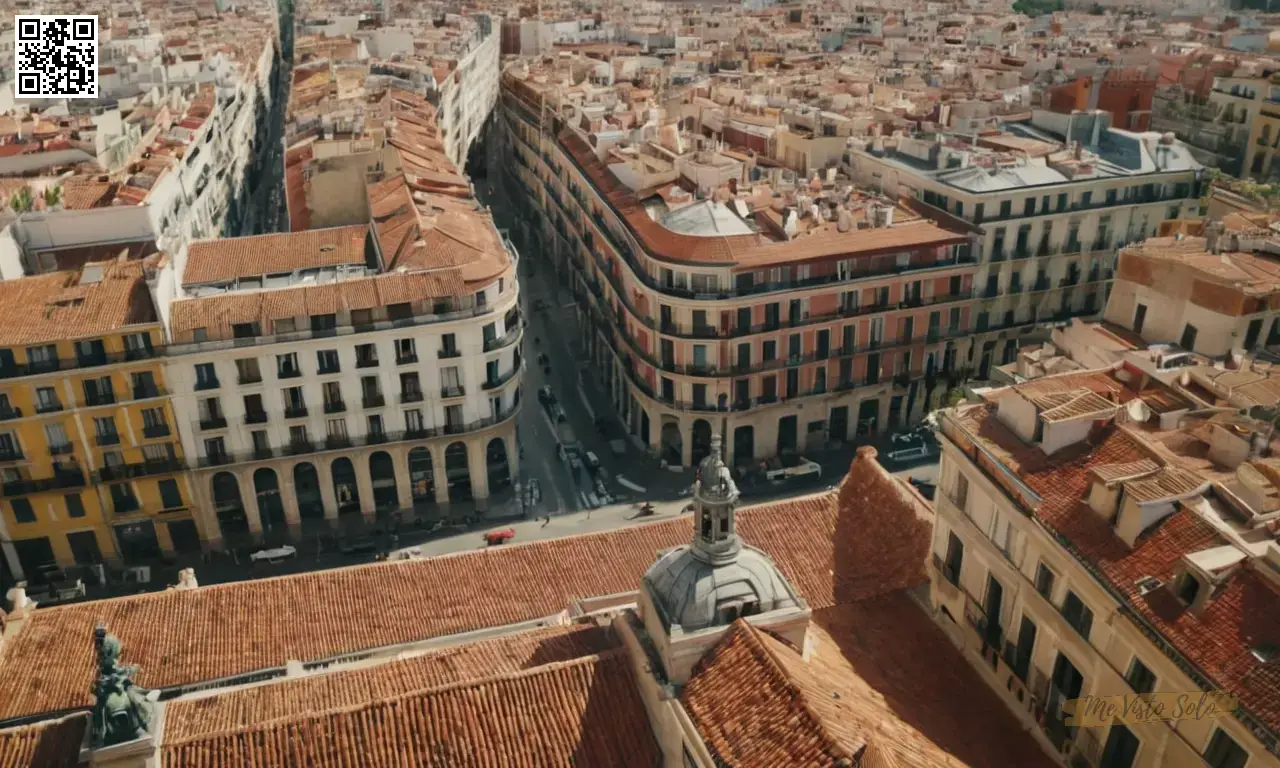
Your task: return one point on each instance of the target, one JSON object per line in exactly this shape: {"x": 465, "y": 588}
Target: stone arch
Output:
{"x": 266, "y": 487}
{"x": 229, "y": 506}
{"x": 496, "y": 464}
{"x": 744, "y": 445}
{"x": 457, "y": 469}
{"x": 700, "y": 440}
{"x": 345, "y": 487}
{"x": 306, "y": 486}
{"x": 382, "y": 474}
{"x": 422, "y": 478}
{"x": 670, "y": 441}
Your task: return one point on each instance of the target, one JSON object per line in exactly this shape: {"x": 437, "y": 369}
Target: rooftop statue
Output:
{"x": 122, "y": 710}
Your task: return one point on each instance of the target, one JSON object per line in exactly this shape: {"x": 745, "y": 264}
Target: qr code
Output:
{"x": 56, "y": 57}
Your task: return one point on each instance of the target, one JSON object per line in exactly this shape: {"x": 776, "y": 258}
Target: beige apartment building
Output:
{"x": 804, "y": 317}
{"x": 1209, "y": 294}
{"x": 1098, "y": 535}
{"x": 354, "y": 372}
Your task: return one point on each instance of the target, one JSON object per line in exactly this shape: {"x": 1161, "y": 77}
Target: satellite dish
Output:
{"x": 1139, "y": 411}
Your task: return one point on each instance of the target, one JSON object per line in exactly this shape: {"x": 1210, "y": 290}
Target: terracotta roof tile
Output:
{"x": 252, "y": 705}
{"x": 881, "y": 682}
{"x": 215, "y": 261}
{"x": 585, "y": 712}
{"x": 881, "y": 531}
{"x": 51, "y": 744}
{"x": 55, "y": 306}
{"x": 1241, "y": 614}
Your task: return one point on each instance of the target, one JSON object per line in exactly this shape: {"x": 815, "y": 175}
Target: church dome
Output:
{"x": 695, "y": 594}
{"x": 715, "y": 579}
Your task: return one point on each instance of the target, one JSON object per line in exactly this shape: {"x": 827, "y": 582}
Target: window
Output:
{"x": 206, "y": 376}
{"x": 332, "y": 397}
{"x": 1045, "y": 579}
{"x": 247, "y": 371}
{"x": 75, "y": 506}
{"x": 413, "y": 420}
{"x": 170, "y": 496}
{"x": 1224, "y": 752}
{"x": 144, "y": 385}
{"x": 376, "y": 427}
{"x": 1139, "y": 317}
{"x": 287, "y": 366}
{"x": 327, "y": 361}
{"x": 324, "y": 322}
{"x": 1121, "y": 748}
{"x": 215, "y": 447}
{"x": 449, "y": 345}
{"x": 480, "y": 299}
{"x": 98, "y": 391}
{"x": 137, "y": 345}
{"x": 366, "y": 356}
{"x": 122, "y": 499}
{"x": 44, "y": 358}
{"x": 1141, "y": 679}
{"x": 1188, "y": 341}
{"x": 410, "y": 387}
{"x": 57, "y": 437}
{"x": 453, "y": 416}
{"x": 449, "y": 381}
{"x": 1006, "y": 208}
{"x": 336, "y": 429}
{"x": 1188, "y": 588}
{"x": 298, "y": 435}
{"x": 1077, "y": 614}
{"x": 294, "y": 404}
{"x": 406, "y": 352}
{"x": 162, "y": 452}
{"x": 261, "y": 443}
{"x": 112, "y": 459}
{"x": 22, "y": 511}
{"x": 104, "y": 430}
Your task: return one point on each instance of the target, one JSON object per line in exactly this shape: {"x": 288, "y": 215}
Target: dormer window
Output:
{"x": 1188, "y": 588}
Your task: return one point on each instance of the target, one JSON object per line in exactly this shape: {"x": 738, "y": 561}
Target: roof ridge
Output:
{"x": 781, "y": 674}
{"x": 389, "y": 701}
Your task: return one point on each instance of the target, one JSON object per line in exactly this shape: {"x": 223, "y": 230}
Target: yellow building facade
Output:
{"x": 91, "y": 466}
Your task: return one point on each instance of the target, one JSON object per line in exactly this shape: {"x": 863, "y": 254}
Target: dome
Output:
{"x": 695, "y": 594}
{"x": 714, "y": 579}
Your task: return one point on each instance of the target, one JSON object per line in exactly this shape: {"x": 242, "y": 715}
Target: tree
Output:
{"x": 21, "y": 201}
{"x": 1098, "y": 10}
{"x": 52, "y": 196}
{"x": 1035, "y": 8}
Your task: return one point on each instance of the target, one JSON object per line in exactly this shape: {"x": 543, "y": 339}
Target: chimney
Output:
{"x": 20, "y": 606}
{"x": 187, "y": 579}
{"x": 789, "y": 219}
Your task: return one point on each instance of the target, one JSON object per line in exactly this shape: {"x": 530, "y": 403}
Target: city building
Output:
{"x": 1213, "y": 295}
{"x": 1050, "y": 200}
{"x": 92, "y": 467}
{"x": 589, "y": 650}
{"x": 1100, "y": 534}
{"x": 355, "y": 371}
{"x": 808, "y": 312}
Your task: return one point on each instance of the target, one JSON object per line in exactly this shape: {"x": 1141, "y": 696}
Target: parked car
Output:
{"x": 546, "y": 396}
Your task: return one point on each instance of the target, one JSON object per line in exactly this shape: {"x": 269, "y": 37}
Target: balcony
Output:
{"x": 446, "y": 354}
{"x": 14, "y": 454}
{"x": 373, "y": 401}
{"x": 213, "y": 422}
{"x": 140, "y": 469}
{"x": 107, "y": 439}
{"x": 503, "y": 379}
{"x": 367, "y": 362}
{"x": 412, "y": 396}
{"x": 334, "y": 442}
{"x": 447, "y": 393}
{"x": 255, "y": 417}
{"x": 295, "y": 411}
{"x": 62, "y": 449}
{"x": 10, "y": 413}
{"x": 334, "y": 406}
{"x": 153, "y": 431}
{"x": 408, "y": 359}
{"x": 249, "y": 378}
{"x": 99, "y": 398}
{"x": 59, "y": 480}
{"x": 289, "y": 373}
{"x": 504, "y": 340}
{"x": 147, "y": 393}
{"x": 206, "y": 384}
{"x": 326, "y": 370}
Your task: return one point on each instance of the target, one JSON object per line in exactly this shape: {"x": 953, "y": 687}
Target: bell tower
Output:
{"x": 715, "y": 498}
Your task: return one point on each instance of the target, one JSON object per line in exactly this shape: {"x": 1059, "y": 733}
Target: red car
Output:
{"x": 497, "y": 537}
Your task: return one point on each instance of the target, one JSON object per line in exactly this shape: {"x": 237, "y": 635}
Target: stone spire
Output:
{"x": 715, "y": 498}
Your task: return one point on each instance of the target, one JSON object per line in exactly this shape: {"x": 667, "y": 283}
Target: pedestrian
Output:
{"x": 546, "y": 521}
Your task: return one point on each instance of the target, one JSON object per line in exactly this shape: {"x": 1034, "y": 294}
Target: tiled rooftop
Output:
{"x": 71, "y": 305}
{"x": 584, "y": 712}
{"x": 224, "y": 259}
{"x": 880, "y": 529}
{"x": 51, "y": 744}
{"x": 1240, "y": 615}
{"x": 204, "y": 715}
{"x": 881, "y": 677}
